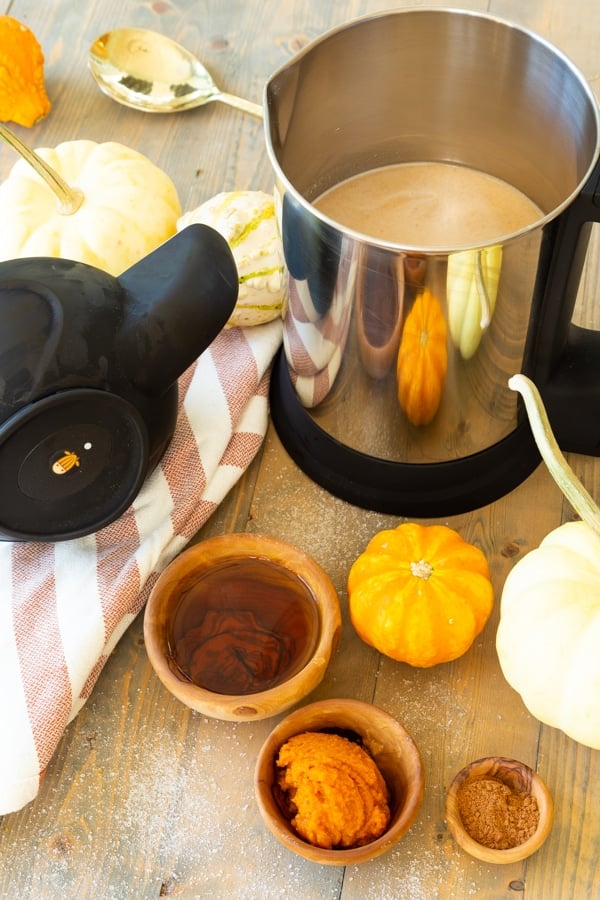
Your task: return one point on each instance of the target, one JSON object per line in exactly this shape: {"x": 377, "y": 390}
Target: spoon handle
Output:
{"x": 246, "y": 105}
{"x": 70, "y": 199}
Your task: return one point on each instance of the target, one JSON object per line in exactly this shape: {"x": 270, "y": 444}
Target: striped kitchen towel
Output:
{"x": 64, "y": 606}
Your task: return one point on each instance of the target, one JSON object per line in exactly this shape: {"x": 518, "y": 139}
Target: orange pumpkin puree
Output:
{"x": 335, "y": 794}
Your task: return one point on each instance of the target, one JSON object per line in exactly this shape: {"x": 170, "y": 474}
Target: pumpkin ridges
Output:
{"x": 443, "y": 617}
{"x": 117, "y": 223}
{"x": 577, "y": 705}
{"x": 422, "y": 360}
{"x": 413, "y": 619}
{"x": 567, "y": 568}
{"x": 471, "y": 595}
{"x": 365, "y": 608}
{"x": 549, "y": 629}
{"x": 412, "y": 540}
{"x": 439, "y": 545}
{"x": 565, "y": 693}
{"x": 451, "y": 621}
{"x": 23, "y": 97}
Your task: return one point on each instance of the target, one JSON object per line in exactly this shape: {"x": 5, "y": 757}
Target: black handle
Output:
{"x": 177, "y": 301}
{"x": 562, "y": 358}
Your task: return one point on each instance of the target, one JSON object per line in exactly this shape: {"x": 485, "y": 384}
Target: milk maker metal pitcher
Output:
{"x": 392, "y": 388}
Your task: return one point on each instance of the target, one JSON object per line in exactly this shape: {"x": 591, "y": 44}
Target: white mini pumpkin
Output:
{"x": 129, "y": 207}
{"x": 548, "y": 638}
{"x": 246, "y": 219}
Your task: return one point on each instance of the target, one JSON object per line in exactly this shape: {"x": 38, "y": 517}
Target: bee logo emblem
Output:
{"x": 67, "y": 461}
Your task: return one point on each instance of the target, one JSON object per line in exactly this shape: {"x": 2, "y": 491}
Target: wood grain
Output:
{"x": 145, "y": 798}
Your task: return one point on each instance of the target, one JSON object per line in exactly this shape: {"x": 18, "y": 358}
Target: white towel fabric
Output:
{"x": 64, "y": 606}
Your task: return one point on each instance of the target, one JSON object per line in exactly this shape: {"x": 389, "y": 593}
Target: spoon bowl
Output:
{"x": 147, "y": 71}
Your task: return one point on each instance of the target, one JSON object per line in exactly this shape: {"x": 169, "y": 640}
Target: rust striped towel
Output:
{"x": 64, "y": 606}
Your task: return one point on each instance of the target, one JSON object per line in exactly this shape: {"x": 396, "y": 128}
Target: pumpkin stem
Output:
{"x": 69, "y": 199}
{"x": 564, "y": 476}
{"x": 421, "y": 569}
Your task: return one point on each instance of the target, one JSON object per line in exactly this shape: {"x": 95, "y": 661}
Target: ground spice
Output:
{"x": 494, "y": 815}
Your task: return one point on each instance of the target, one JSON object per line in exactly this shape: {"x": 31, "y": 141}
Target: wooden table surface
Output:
{"x": 144, "y": 798}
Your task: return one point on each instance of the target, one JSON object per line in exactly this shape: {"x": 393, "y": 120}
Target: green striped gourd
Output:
{"x": 246, "y": 219}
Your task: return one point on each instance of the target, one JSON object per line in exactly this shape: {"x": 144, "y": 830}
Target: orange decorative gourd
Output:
{"x": 422, "y": 360}
{"x": 420, "y": 593}
{"x": 23, "y": 97}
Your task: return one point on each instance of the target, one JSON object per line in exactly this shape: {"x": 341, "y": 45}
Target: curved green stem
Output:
{"x": 69, "y": 199}
{"x": 564, "y": 476}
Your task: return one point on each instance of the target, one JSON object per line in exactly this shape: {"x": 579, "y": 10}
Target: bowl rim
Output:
{"x": 328, "y": 712}
{"x": 537, "y": 788}
{"x": 231, "y": 546}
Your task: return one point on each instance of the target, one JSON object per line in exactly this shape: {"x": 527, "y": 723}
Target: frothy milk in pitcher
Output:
{"x": 429, "y": 205}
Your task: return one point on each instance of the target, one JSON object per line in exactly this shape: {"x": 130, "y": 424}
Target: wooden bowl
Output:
{"x": 390, "y": 745}
{"x": 241, "y": 626}
{"x": 518, "y": 777}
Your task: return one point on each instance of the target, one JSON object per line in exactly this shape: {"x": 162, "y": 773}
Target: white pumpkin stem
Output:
{"x": 69, "y": 199}
{"x": 564, "y": 476}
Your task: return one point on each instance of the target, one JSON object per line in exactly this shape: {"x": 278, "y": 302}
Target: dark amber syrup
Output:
{"x": 244, "y": 626}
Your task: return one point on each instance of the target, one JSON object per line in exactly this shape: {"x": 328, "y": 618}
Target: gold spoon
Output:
{"x": 147, "y": 71}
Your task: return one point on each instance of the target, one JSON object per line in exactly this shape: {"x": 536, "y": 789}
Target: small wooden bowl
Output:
{"x": 518, "y": 777}
{"x": 283, "y": 569}
{"x": 390, "y": 745}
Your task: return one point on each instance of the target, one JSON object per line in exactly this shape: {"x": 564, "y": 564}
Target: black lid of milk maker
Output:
{"x": 69, "y": 464}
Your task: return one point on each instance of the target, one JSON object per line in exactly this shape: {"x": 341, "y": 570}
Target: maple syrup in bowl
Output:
{"x": 242, "y": 626}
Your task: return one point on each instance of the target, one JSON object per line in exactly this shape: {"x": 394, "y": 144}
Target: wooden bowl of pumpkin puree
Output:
{"x": 339, "y": 781}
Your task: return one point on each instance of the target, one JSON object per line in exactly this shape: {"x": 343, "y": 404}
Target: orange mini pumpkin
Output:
{"x": 422, "y": 360}
{"x": 420, "y": 593}
{"x": 23, "y": 97}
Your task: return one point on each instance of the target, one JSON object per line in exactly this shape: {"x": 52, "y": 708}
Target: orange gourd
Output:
{"x": 420, "y": 593}
{"x": 422, "y": 360}
{"x": 23, "y": 97}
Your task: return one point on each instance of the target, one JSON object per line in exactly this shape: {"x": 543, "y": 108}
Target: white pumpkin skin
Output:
{"x": 548, "y": 639}
{"x": 130, "y": 207}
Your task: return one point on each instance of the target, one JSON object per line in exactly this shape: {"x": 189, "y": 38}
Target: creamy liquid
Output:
{"x": 428, "y": 205}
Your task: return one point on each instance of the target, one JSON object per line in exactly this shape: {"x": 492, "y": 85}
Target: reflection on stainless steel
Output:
{"x": 423, "y": 359}
{"x": 471, "y": 292}
{"x": 409, "y": 86}
{"x": 379, "y": 310}
{"x": 322, "y": 268}
{"x": 415, "y": 269}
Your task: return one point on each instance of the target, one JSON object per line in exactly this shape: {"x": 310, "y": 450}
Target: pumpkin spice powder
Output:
{"x": 496, "y": 816}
